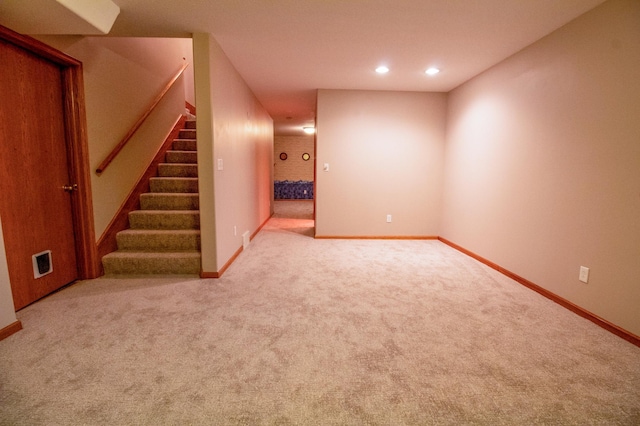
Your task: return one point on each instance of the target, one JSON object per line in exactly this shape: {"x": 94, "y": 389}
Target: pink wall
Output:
{"x": 542, "y": 171}
{"x": 385, "y": 154}
{"x": 232, "y": 127}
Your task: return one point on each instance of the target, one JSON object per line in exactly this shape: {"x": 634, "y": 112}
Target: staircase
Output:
{"x": 164, "y": 235}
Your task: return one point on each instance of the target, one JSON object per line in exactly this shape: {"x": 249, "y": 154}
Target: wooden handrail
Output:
{"x": 116, "y": 150}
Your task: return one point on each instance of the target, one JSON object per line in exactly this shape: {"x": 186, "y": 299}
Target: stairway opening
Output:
{"x": 164, "y": 235}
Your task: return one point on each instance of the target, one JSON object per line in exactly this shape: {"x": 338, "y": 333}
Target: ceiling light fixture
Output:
{"x": 382, "y": 69}
{"x": 309, "y": 130}
{"x": 432, "y": 71}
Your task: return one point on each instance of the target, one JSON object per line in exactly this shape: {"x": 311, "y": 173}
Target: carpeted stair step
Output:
{"x": 164, "y": 235}
{"x": 164, "y": 219}
{"x": 177, "y": 170}
{"x": 168, "y": 201}
{"x": 187, "y": 134}
{"x": 190, "y": 157}
{"x": 155, "y": 240}
{"x": 140, "y": 263}
{"x": 185, "y": 145}
{"x": 173, "y": 184}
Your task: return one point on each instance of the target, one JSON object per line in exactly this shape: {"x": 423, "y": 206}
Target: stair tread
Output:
{"x": 173, "y": 194}
{"x": 174, "y": 179}
{"x": 189, "y": 178}
{"x": 163, "y": 212}
{"x": 161, "y": 231}
{"x": 169, "y": 201}
{"x": 178, "y": 169}
{"x": 164, "y": 219}
{"x": 153, "y": 254}
{"x": 180, "y": 164}
{"x": 190, "y": 145}
{"x": 164, "y": 241}
{"x": 173, "y": 184}
{"x": 181, "y": 157}
{"x": 152, "y": 263}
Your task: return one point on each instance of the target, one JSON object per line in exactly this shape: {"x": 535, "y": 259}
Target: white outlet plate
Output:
{"x": 584, "y": 274}
{"x": 246, "y": 239}
{"x": 388, "y": 218}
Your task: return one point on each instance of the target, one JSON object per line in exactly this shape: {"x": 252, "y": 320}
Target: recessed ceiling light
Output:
{"x": 432, "y": 71}
{"x": 382, "y": 69}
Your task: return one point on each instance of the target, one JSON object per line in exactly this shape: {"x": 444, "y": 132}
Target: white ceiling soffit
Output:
{"x": 49, "y": 17}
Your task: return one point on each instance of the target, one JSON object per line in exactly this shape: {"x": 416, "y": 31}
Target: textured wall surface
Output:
{"x": 235, "y": 155}
{"x": 542, "y": 171}
{"x": 294, "y": 167}
{"x": 385, "y": 153}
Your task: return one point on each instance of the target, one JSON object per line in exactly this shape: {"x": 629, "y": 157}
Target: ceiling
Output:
{"x": 286, "y": 49}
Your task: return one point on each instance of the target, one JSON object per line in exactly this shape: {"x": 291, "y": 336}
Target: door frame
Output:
{"x": 75, "y": 124}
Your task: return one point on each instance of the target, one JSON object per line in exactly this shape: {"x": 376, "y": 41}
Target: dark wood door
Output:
{"x": 35, "y": 209}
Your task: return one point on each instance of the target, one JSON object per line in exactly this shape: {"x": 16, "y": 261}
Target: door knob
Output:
{"x": 70, "y": 188}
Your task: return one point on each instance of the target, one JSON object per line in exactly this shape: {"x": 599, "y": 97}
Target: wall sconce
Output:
{"x": 309, "y": 130}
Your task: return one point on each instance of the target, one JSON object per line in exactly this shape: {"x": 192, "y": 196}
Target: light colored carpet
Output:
{"x": 293, "y": 209}
{"x": 316, "y": 332}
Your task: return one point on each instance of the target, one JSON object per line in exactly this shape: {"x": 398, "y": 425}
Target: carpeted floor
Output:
{"x": 316, "y": 332}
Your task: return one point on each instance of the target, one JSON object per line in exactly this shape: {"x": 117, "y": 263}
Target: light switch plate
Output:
{"x": 584, "y": 274}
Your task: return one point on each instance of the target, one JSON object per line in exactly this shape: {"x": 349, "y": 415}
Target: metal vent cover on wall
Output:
{"x": 42, "y": 264}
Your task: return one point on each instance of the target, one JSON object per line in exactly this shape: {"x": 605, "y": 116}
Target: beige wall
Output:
{"x": 543, "y": 163}
{"x": 294, "y": 167}
{"x": 7, "y": 310}
{"x": 385, "y": 156}
{"x": 232, "y": 127}
{"x": 189, "y": 89}
{"x": 122, "y": 77}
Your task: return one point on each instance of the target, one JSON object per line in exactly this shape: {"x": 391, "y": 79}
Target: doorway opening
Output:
{"x": 294, "y": 216}
{"x": 294, "y": 183}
